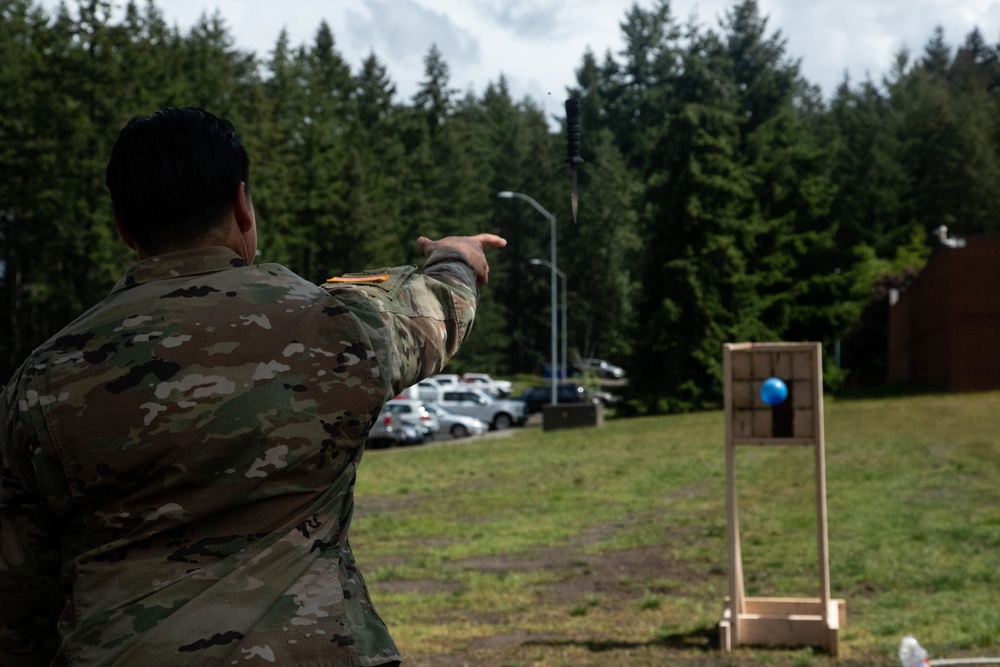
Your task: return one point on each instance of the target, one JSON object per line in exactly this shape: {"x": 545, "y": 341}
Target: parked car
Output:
{"x": 566, "y": 392}
{"x": 501, "y": 388}
{"x": 457, "y": 426}
{"x": 427, "y": 390}
{"x": 606, "y": 398}
{"x": 389, "y": 430}
{"x": 413, "y": 412}
{"x": 600, "y": 368}
{"x": 499, "y": 413}
{"x": 447, "y": 378}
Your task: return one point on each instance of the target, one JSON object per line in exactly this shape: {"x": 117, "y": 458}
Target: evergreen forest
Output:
{"x": 722, "y": 197}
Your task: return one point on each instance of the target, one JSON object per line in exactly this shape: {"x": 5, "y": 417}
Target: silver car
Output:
{"x": 498, "y": 413}
{"x": 413, "y": 412}
{"x": 602, "y": 369}
{"x": 389, "y": 430}
{"x": 458, "y": 426}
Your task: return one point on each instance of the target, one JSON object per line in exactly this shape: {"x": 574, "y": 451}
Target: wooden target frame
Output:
{"x": 796, "y": 421}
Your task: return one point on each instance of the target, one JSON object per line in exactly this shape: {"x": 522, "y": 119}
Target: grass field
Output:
{"x": 606, "y": 547}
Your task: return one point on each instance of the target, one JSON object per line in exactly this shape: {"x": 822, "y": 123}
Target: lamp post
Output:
{"x": 507, "y": 194}
{"x": 565, "y": 309}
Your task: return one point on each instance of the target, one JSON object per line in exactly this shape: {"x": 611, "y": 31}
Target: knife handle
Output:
{"x": 573, "y": 131}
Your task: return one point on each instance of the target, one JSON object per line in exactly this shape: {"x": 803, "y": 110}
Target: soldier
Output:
{"x": 179, "y": 462}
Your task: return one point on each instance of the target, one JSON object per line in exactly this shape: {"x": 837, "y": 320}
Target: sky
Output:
{"x": 537, "y": 45}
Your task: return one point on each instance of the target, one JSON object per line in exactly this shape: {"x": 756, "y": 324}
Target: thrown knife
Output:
{"x": 573, "y": 146}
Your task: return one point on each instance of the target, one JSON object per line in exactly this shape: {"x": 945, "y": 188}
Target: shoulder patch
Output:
{"x": 360, "y": 278}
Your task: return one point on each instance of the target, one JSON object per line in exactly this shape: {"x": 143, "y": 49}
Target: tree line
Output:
{"x": 721, "y": 199}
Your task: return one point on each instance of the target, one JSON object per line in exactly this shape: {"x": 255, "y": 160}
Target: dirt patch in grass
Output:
{"x": 420, "y": 586}
{"x": 567, "y": 624}
{"x": 579, "y": 574}
{"x": 618, "y": 575}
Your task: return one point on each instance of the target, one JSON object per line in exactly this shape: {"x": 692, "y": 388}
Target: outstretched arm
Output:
{"x": 417, "y": 320}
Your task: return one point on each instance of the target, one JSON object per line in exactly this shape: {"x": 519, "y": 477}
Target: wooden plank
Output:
{"x": 725, "y": 631}
{"x": 743, "y": 394}
{"x": 784, "y": 622}
{"x": 742, "y": 369}
{"x": 805, "y": 425}
{"x": 762, "y": 442}
{"x": 838, "y": 610}
{"x": 763, "y": 367}
{"x": 782, "y": 365}
{"x": 803, "y": 398}
{"x": 742, "y": 424}
{"x": 762, "y": 424}
{"x": 805, "y": 630}
{"x": 836, "y": 618}
{"x": 823, "y": 545}
{"x": 784, "y": 606}
{"x": 796, "y": 606}
{"x": 732, "y": 522}
{"x": 803, "y": 364}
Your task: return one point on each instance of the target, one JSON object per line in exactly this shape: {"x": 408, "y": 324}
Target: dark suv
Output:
{"x": 566, "y": 392}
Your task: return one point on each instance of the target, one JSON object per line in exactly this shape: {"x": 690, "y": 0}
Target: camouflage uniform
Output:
{"x": 179, "y": 463}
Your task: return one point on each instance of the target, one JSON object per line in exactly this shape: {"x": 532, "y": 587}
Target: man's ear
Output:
{"x": 122, "y": 232}
{"x": 243, "y": 208}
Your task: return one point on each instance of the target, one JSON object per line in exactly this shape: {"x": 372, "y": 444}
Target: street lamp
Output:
{"x": 565, "y": 308}
{"x": 507, "y": 194}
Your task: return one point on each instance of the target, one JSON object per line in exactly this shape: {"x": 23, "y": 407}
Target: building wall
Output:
{"x": 945, "y": 329}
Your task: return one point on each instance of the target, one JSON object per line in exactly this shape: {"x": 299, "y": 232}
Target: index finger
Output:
{"x": 490, "y": 240}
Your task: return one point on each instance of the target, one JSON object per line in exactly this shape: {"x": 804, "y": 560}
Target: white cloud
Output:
{"x": 403, "y": 31}
{"x": 864, "y": 36}
{"x": 538, "y": 44}
{"x": 531, "y": 19}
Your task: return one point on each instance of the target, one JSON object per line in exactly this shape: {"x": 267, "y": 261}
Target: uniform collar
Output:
{"x": 179, "y": 264}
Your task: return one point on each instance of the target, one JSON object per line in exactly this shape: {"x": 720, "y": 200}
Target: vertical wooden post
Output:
{"x": 732, "y": 521}
{"x": 831, "y": 612}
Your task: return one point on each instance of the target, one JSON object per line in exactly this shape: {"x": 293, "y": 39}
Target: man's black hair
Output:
{"x": 173, "y": 176}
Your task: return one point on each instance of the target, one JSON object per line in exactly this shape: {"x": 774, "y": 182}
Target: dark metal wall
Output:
{"x": 945, "y": 329}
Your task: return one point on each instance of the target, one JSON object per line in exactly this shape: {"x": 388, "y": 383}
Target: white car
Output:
{"x": 458, "y": 426}
{"x": 501, "y": 388}
{"x": 427, "y": 390}
{"x": 413, "y": 412}
{"x": 447, "y": 378}
{"x": 499, "y": 413}
{"x": 602, "y": 369}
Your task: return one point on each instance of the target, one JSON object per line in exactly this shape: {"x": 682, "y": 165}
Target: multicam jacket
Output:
{"x": 179, "y": 463}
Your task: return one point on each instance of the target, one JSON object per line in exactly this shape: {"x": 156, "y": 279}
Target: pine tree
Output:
{"x": 517, "y": 149}
{"x": 598, "y": 253}
{"x": 868, "y": 170}
{"x": 377, "y": 165}
{"x": 792, "y": 256}
{"x": 946, "y": 145}
{"x": 274, "y": 144}
{"x": 650, "y": 60}
{"x": 321, "y": 181}
{"x": 696, "y": 289}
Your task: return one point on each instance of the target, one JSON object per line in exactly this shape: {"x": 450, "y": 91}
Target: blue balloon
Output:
{"x": 773, "y": 391}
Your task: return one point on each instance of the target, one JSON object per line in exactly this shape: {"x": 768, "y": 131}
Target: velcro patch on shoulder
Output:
{"x": 360, "y": 278}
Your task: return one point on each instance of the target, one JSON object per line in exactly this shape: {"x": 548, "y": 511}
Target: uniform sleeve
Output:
{"x": 416, "y": 320}
{"x": 30, "y": 556}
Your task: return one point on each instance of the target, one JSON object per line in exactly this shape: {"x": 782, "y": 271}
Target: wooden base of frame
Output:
{"x": 783, "y": 622}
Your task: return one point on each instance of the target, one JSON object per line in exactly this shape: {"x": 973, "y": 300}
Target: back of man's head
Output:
{"x": 173, "y": 176}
